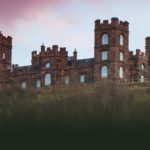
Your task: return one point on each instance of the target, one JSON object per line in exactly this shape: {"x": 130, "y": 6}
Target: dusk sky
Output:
{"x": 68, "y": 23}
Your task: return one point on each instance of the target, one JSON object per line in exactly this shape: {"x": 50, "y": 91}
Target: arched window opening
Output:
{"x": 47, "y": 79}
{"x": 121, "y": 40}
{"x": 104, "y": 72}
{"x": 121, "y": 73}
{"x": 105, "y": 39}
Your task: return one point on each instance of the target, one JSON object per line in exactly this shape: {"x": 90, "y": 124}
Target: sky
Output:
{"x": 68, "y": 23}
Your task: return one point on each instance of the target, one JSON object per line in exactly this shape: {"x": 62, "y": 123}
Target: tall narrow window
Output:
{"x": 82, "y": 78}
{"x": 121, "y": 40}
{"x": 104, "y": 55}
{"x": 4, "y": 55}
{"x": 104, "y": 72}
{"x": 105, "y": 39}
{"x": 38, "y": 83}
{"x": 24, "y": 85}
{"x": 67, "y": 80}
{"x": 142, "y": 66}
{"x": 47, "y": 79}
{"x": 121, "y": 56}
{"x": 121, "y": 73}
{"x": 142, "y": 79}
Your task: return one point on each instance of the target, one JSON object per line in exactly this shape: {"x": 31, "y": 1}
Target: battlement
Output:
{"x": 147, "y": 41}
{"x": 5, "y": 39}
{"x": 140, "y": 54}
{"x": 47, "y": 51}
{"x": 115, "y": 22}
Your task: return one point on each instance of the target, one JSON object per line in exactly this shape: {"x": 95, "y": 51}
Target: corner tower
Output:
{"x": 5, "y": 58}
{"x": 147, "y": 48}
{"x": 111, "y": 50}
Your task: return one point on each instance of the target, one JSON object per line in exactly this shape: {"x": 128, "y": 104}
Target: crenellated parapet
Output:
{"x": 54, "y": 54}
{"x": 115, "y": 22}
{"x": 5, "y": 40}
{"x": 138, "y": 55}
{"x": 55, "y": 51}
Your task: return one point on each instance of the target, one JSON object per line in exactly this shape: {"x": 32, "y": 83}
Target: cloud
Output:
{"x": 11, "y": 10}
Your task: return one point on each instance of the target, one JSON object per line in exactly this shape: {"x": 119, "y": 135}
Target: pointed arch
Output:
{"x": 121, "y": 39}
{"x": 47, "y": 79}
{"x": 105, "y": 39}
{"x": 104, "y": 72}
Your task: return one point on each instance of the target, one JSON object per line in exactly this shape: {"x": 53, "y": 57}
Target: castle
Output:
{"x": 53, "y": 67}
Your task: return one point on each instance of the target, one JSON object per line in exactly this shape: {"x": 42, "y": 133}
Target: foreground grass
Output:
{"x": 106, "y": 108}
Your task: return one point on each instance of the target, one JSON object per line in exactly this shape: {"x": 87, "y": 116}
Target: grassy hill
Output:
{"x": 103, "y": 109}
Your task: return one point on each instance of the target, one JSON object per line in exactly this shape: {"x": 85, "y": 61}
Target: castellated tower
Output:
{"x": 5, "y": 58}
{"x": 147, "y": 48}
{"x": 111, "y": 50}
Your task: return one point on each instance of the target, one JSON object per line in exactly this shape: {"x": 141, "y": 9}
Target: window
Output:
{"x": 47, "y": 79}
{"x": 24, "y": 85}
{"x": 4, "y": 55}
{"x": 82, "y": 78}
{"x": 104, "y": 55}
{"x": 121, "y": 40}
{"x": 48, "y": 65}
{"x": 105, "y": 39}
{"x": 67, "y": 80}
{"x": 121, "y": 73}
{"x": 142, "y": 66}
{"x": 104, "y": 72}
{"x": 142, "y": 79}
{"x": 38, "y": 83}
{"x": 121, "y": 56}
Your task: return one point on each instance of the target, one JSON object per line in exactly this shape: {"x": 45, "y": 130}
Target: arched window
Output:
{"x": 142, "y": 79}
{"x": 121, "y": 56}
{"x": 47, "y": 79}
{"x": 38, "y": 83}
{"x": 105, "y": 39}
{"x": 104, "y": 72}
{"x": 121, "y": 73}
{"x": 121, "y": 40}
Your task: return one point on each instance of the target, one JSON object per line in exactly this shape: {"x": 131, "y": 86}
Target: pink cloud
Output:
{"x": 10, "y": 10}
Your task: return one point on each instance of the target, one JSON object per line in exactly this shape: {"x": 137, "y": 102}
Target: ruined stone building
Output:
{"x": 53, "y": 67}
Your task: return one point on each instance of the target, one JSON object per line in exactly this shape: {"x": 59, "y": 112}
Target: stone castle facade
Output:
{"x": 53, "y": 67}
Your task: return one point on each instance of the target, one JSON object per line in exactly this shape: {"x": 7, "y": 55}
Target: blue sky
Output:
{"x": 68, "y": 24}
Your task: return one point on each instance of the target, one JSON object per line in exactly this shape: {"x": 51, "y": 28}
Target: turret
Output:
{"x": 111, "y": 49}
{"x": 75, "y": 55}
{"x": 5, "y": 57}
{"x": 43, "y": 48}
{"x": 147, "y": 47}
{"x": 55, "y": 48}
